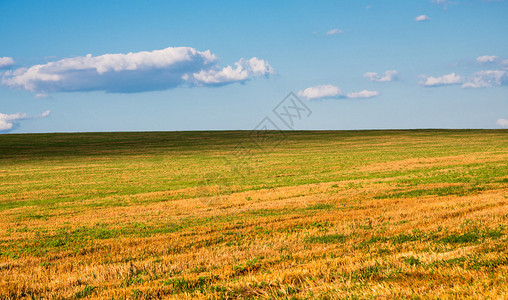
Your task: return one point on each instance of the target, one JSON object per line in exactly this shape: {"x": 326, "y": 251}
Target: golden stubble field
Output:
{"x": 390, "y": 214}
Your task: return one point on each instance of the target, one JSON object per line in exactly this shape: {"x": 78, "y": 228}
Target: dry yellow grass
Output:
{"x": 389, "y": 223}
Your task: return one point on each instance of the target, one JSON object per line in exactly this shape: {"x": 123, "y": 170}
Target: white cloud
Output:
{"x": 442, "y": 80}
{"x": 133, "y": 72}
{"x": 242, "y": 71}
{"x": 6, "y": 62}
{"x": 421, "y": 18}
{"x": 7, "y": 122}
{"x": 389, "y": 75}
{"x": 334, "y": 31}
{"x": 487, "y": 78}
{"x": 486, "y": 59}
{"x": 502, "y": 122}
{"x": 320, "y": 91}
{"x": 362, "y": 94}
{"x": 331, "y": 91}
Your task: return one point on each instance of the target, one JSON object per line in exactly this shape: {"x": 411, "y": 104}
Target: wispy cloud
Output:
{"x": 444, "y": 3}
{"x": 6, "y": 62}
{"x": 329, "y": 91}
{"x": 422, "y": 18}
{"x": 9, "y": 121}
{"x": 362, "y": 94}
{"x": 486, "y": 59}
{"x": 389, "y": 75}
{"x": 487, "y": 78}
{"x": 449, "y": 79}
{"x": 334, "y": 31}
{"x": 133, "y": 72}
{"x": 502, "y": 122}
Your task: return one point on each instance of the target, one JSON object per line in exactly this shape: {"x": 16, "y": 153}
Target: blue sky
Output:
{"x": 196, "y": 65}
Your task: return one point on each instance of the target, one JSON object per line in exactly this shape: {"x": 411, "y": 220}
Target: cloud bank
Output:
{"x": 133, "y": 72}
{"x": 329, "y": 91}
{"x": 9, "y": 121}
{"x": 389, "y": 75}
{"x": 6, "y": 62}
{"x": 449, "y": 79}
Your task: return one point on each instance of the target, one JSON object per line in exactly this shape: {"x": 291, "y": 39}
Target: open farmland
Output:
{"x": 326, "y": 214}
